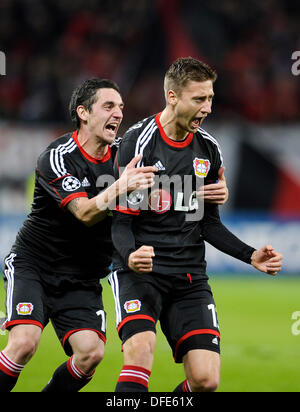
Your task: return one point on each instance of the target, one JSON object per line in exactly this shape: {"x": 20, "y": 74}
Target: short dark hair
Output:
{"x": 187, "y": 69}
{"x": 85, "y": 95}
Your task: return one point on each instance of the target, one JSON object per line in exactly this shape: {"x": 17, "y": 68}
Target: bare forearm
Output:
{"x": 92, "y": 211}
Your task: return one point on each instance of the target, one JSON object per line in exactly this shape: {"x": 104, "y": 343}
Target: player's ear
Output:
{"x": 172, "y": 97}
{"x": 82, "y": 113}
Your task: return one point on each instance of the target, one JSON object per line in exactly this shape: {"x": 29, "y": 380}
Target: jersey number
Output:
{"x": 102, "y": 314}
{"x": 214, "y": 315}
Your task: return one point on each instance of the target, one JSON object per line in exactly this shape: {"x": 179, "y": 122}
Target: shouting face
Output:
{"x": 105, "y": 116}
{"x": 192, "y": 104}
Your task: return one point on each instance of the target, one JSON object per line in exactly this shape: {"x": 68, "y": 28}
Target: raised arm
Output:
{"x": 92, "y": 211}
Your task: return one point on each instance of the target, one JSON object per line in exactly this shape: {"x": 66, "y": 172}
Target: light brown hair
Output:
{"x": 187, "y": 69}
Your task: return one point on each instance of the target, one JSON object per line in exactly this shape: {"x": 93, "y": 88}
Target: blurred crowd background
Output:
{"x": 53, "y": 45}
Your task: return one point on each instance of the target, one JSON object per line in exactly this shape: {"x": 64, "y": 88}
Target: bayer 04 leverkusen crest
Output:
{"x": 201, "y": 167}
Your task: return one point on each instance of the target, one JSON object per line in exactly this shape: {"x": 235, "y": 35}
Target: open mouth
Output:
{"x": 196, "y": 122}
{"x": 112, "y": 127}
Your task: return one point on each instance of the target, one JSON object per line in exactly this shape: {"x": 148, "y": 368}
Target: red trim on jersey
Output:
{"x": 67, "y": 335}
{"x": 58, "y": 195}
{"x": 134, "y": 317}
{"x": 68, "y": 199}
{"x": 127, "y": 211}
{"x": 170, "y": 142}
{"x": 92, "y": 159}
{"x": 192, "y": 333}
{"x": 189, "y": 277}
{"x": 58, "y": 178}
{"x": 23, "y": 322}
{"x": 117, "y": 162}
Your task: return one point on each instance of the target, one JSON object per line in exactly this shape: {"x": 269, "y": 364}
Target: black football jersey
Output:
{"x": 169, "y": 217}
{"x": 51, "y": 235}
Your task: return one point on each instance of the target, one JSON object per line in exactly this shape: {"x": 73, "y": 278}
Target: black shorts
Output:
{"x": 71, "y": 305}
{"x": 183, "y": 304}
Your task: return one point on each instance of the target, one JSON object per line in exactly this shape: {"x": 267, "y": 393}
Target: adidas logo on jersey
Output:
{"x": 215, "y": 341}
{"x": 159, "y": 165}
{"x": 85, "y": 182}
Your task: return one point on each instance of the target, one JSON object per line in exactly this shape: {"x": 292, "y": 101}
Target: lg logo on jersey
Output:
{"x": 160, "y": 201}
{"x": 192, "y": 203}
{"x": 185, "y": 198}
{"x": 177, "y": 192}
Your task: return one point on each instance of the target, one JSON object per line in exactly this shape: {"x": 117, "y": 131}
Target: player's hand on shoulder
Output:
{"x": 141, "y": 261}
{"x": 267, "y": 260}
{"x": 136, "y": 178}
{"x": 216, "y": 192}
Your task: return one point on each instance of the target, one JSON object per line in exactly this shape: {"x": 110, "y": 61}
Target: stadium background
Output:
{"x": 51, "y": 46}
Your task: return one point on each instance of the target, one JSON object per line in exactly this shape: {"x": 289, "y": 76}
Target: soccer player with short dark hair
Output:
{"x": 159, "y": 269}
{"x": 64, "y": 246}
